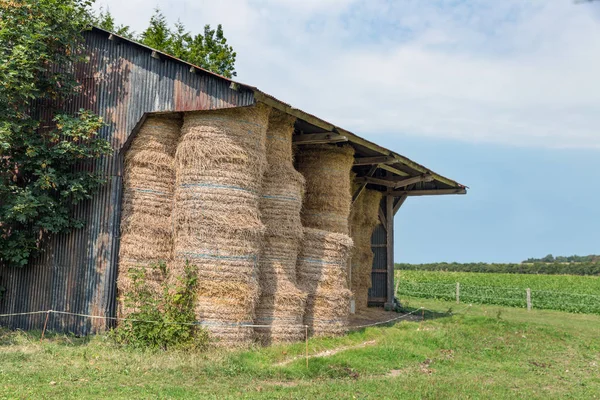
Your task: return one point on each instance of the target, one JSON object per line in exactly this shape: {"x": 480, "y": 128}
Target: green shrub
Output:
{"x": 164, "y": 320}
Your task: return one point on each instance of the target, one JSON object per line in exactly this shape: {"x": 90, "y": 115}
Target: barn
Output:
{"x": 337, "y": 192}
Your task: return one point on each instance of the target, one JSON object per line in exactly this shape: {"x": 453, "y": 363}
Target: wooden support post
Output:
{"x": 306, "y": 343}
{"x": 45, "y": 325}
{"x": 457, "y": 292}
{"x": 389, "y": 205}
{"x": 528, "y": 292}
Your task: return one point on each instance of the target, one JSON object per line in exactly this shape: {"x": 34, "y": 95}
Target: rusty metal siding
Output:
{"x": 77, "y": 272}
{"x": 378, "y": 290}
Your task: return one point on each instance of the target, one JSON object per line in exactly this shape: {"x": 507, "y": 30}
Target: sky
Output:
{"x": 502, "y": 96}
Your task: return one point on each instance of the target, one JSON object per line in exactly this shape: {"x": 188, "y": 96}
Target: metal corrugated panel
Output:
{"x": 77, "y": 272}
{"x": 378, "y": 290}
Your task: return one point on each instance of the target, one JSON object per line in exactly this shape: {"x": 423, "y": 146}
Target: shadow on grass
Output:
{"x": 20, "y": 337}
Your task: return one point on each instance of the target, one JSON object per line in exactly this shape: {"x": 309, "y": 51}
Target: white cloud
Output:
{"x": 513, "y": 72}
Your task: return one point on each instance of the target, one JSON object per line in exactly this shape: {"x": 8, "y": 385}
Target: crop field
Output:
{"x": 580, "y": 294}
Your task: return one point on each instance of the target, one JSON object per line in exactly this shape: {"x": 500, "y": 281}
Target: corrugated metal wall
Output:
{"x": 378, "y": 290}
{"x": 77, "y": 272}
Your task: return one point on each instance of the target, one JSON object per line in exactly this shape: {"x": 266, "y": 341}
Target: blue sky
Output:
{"x": 503, "y": 96}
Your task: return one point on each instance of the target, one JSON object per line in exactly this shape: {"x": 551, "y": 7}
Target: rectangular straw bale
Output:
{"x": 281, "y": 304}
{"x": 148, "y": 187}
{"x": 220, "y": 162}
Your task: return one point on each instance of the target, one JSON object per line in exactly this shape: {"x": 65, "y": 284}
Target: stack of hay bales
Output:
{"x": 363, "y": 220}
{"x": 281, "y": 306}
{"x": 148, "y": 188}
{"x": 322, "y": 263}
{"x": 220, "y": 161}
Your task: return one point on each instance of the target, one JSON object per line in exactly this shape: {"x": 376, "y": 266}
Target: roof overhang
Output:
{"x": 375, "y": 166}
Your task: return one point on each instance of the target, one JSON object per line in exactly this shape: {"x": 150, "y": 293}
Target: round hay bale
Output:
{"x": 220, "y": 162}
{"x": 148, "y": 187}
{"x": 281, "y": 306}
{"x": 322, "y": 273}
{"x": 363, "y": 220}
{"x": 328, "y": 197}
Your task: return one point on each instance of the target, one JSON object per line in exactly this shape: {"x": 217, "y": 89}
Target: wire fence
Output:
{"x": 505, "y": 296}
{"x": 47, "y": 314}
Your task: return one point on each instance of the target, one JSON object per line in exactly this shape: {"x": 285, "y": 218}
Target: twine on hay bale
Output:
{"x": 281, "y": 304}
{"x": 220, "y": 162}
{"x": 363, "y": 220}
{"x": 148, "y": 187}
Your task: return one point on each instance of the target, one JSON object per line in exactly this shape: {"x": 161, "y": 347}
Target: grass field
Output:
{"x": 557, "y": 292}
{"x": 481, "y": 352}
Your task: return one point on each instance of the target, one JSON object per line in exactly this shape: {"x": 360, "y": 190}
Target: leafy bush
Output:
{"x": 164, "y": 320}
{"x": 46, "y": 163}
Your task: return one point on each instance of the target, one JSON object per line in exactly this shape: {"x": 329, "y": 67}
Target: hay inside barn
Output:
{"x": 322, "y": 264}
{"x": 280, "y": 309}
{"x": 220, "y": 161}
{"x": 328, "y": 198}
{"x": 146, "y": 226}
{"x": 363, "y": 220}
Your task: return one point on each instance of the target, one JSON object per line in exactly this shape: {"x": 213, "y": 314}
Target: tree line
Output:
{"x": 549, "y": 268}
{"x": 593, "y": 258}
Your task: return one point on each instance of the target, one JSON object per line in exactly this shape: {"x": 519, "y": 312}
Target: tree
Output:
{"x": 208, "y": 50}
{"x": 40, "y": 41}
{"x": 157, "y": 35}
{"x": 106, "y": 21}
{"x": 212, "y": 52}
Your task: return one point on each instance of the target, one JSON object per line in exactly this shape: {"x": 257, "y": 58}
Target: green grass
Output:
{"x": 484, "y": 352}
{"x": 557, "y": 292}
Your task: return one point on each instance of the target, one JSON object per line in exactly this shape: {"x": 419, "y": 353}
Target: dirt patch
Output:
{"x": 330, "y": 352}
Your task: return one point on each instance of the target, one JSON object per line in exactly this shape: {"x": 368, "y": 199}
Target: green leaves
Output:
{"x": 162, "y": 319}
{"x": 208, "y": 50}
{"x": 45, "y": 166}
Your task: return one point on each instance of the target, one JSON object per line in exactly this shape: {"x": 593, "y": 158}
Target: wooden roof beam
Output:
{"x": 362, "y": 187}
{"x": 393, "y": 170}
{"x": 374, "y": 160}
{"x": 430, "y": 192}
{"x": 399, "y": 203}
{"x": 318, "y": 138}
{"x": 376, "y": 181}
{"x": 413, "y": 180}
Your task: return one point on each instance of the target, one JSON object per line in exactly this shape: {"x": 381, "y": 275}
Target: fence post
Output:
{"x": 528, "y": 299}
{"x": 457, "y": 293}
